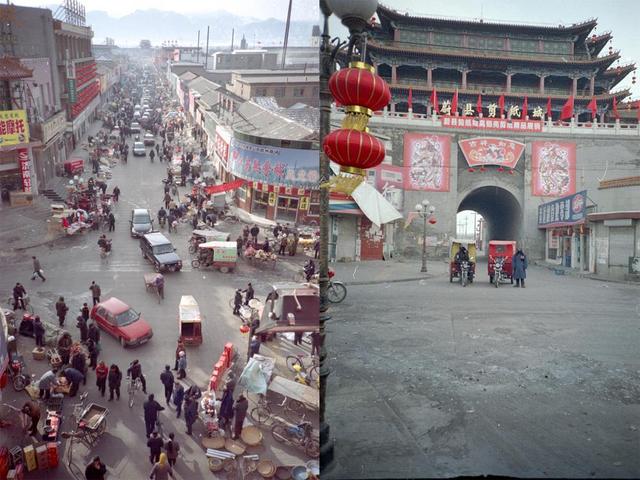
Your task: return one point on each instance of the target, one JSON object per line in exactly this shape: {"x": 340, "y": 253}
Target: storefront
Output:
{"x": 282, "y": 176}
{"x": 16, "y": 166}
{"x": 566, "y": 235}
{"x": 50, "y": 156}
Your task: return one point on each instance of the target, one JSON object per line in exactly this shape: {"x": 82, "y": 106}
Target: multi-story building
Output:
{"x": 288, "y": 86}
{"x": 567, "y": 192}
{"x": 474, "y": 58}
{"x": 244, "y": 60}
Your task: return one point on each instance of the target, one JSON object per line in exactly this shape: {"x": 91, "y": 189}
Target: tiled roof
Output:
{"x": 12, "y": 69}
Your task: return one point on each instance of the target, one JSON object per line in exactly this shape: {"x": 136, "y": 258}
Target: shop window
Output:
{"x": 241, "y": 193}
{"x": 287, "y": 209}
{"x": 298, "y": 92}
{"x": 279, "y": 92}
{"x": 260, "y": 203}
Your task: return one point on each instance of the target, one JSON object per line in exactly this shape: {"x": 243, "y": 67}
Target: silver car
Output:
{"x": 141, "y": 222}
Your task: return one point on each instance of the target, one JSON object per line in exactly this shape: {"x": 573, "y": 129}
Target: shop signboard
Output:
{"x": 71, "y": 88}
{"x": 290, "y": 167}
{"x": 14, "y": 128}
{"x": 565, "y": 211}
{"x": 25, "y": 169}
{"x": 511, "y": 125}
{"x": 53, "y": 126}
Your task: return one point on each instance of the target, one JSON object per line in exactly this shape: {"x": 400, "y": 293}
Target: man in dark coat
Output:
{"x": 85, "y": 312}
{"x": 226, "y": 410}
{"x": 155, "y": 445}
{"x": 84, "y": 331}
{"x": 167, "y": 380}
{"x": 112, "y": 222}
{"x": 240, "y": 409}
{"x": 249, "y": 293}
{"x": 237, "y": 302}
{"x": 190, "y": 413}
{"x": 38, "y": 332}
{"x": 19, "y": 293}
{"x": 520, "y": 264}
{"x": 74, "y": 376}
{"x": 178, "y": 397}
{"x": 95, "y": 292}
{"x": 151, "y": 408}
{"x": 61, "y": 311}
{"x": 79, "y": 362}
{"x": 115, "y": 379}
{"x": 93, "y": 333}
{"x": 255, "y": 230}
{"x": 96, "y": 470}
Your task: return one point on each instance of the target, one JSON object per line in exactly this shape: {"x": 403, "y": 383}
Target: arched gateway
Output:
{"x": 498, "y": 205}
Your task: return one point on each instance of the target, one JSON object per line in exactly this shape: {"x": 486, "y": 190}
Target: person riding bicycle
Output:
{"x": 135, "y": 371}
{"x": 309, "y": 269}
{"x": 104, "y": 243}
{"x": 162, "y": 216}
{"x": 463, "y": 256}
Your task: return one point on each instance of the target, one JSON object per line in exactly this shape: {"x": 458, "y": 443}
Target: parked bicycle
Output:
{"x": 296, "y": 363}
{"x": 27, "y": 304}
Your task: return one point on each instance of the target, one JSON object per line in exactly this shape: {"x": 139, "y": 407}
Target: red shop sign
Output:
{"x": 25, "y": 169}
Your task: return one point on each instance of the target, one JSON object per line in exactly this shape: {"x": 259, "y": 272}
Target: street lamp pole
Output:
{"x": 425, "y": 211}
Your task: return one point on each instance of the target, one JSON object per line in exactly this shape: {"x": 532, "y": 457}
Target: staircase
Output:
{"x": 53, "y": 196}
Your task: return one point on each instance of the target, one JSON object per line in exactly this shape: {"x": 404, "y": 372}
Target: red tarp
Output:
{"x": 225, "y": 187}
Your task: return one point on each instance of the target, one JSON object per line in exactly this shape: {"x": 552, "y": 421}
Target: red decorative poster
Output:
{"x": 553, "y": 167}
{"x": 426, "y": 162}
{"x": 491, "y": 151}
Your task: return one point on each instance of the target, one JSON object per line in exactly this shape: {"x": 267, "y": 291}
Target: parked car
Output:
{"x": 141, "y": 222}
{"x": 135, "y": 127}
{"x": 158, "y": 250}
{"x": 123, "y": 322}
{"x": 139, "y": 150}
{"x": 137, "y": 115}
{"x": 149, "y": 139}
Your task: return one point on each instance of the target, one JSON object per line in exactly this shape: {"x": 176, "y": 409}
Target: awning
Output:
{"x": 225, "y": 187}
{"x": 374, "y": 205}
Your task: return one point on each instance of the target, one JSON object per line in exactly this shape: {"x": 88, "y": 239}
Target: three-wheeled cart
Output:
{"x": 219, "y": 255}
{"x": 150, "y": 283}
{"x": 189, "y": 321}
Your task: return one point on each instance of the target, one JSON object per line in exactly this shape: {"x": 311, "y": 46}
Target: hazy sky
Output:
{"x": 621, "y": 17}
{"x": 261, "y": 9}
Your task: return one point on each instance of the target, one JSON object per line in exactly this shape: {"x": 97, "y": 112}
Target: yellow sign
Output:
{"x": 304, "y": 203}
{"x": 14, "y": 128}
{"x": 272, "y": 199}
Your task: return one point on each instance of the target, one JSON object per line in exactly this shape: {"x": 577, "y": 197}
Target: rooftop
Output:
{"x": 282, "y": 79}
{"x": 254, "y": 119}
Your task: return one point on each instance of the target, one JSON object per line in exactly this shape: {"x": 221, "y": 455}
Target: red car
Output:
{"x": 121, "y": 321}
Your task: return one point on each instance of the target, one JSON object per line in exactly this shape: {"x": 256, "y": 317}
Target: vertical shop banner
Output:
{"x": 553, "y": 168}
{"x": 14, "y": 128}
{"x": 25, "y": 169}
{"x": 71, "y": 88}
{"x": 427, "y": 162}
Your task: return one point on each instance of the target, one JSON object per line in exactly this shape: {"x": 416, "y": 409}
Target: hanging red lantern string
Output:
{"x": 353, "y": 150}
{"x": 471, "y": 169}
{"x": 500, "y": 169}
{"x": 432, "y": 221}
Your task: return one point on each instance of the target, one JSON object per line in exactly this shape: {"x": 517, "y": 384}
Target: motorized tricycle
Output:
{"x": 219, "y": 255}
{"x": 463, "y": 269}
{"x": 504, "y": 250}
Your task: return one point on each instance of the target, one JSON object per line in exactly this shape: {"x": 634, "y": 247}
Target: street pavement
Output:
{"x": 430, "y": 379}
{"x": 70, "y": 265}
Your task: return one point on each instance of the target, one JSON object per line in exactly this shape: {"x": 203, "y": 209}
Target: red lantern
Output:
{"x": 360, "y": 86}
{"x": 482, "y": 169}
{"x": 244, "y": 329}
{"x": 500, "y": 169}
{"x": 511, "y": 171}
{"x": 471, "y": 169}
{"x": 354, "y": 150}
{"x": 432, "y": 221}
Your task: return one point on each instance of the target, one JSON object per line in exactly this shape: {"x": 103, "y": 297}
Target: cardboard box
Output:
{"x": 42, "y": 456}
{"x": 30, "y": 458}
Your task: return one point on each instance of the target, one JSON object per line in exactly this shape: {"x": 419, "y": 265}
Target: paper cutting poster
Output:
{"x": 426, "y": 162}
{"x": 553, "y": 167}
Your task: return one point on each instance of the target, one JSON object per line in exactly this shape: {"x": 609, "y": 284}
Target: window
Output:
{"x": 279, "y": 92}
{"x": 298, "y": 92}
{"x": 241, "y": 193}
{"x": 314, "y": 204}
{"x": 127, "y": 317}
{"x": 261, "y": 92}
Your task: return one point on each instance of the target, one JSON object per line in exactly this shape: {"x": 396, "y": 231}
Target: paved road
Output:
{"x": 72, "y": 263}
{"x": 535, "y": 382}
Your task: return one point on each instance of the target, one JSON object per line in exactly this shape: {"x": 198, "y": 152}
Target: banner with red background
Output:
{"x": 491, "y": 151}
{"x": 427, "y": 162}
{"x": 553, "y": 168}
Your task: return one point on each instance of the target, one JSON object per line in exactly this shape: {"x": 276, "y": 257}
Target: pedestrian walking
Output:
{"x": 240, "y": 412}
{"x": 283, "y": 245}
{"x": 155, "y": 445}
{"x": 19, "y": 293}
{"x": 167, "y": 199}
{"x": 237, "y": 302}
{"x": 159, "y": 283}
{"x": 112, "y": 222}
{"x": 297, "y": 338}
{"x": 82, "y": 325}
{"x": 520, "y": 264}
{"x": 85, "y": 312}
{"x": 316, "y": 249}
{"x": 95, "y": 292}
{"x": 179, "y": 348}
{"x": 116, "y": 194}
{"x": 171, "y": 220}
{"x": 32, "y": 410}
{"x": 245, "y": 233}
{"x": 161, "y": 469}
{"x": 74, "y": 376}
{"x": 135, "y": 371}
{"x": 190, "y": 413}
{"x": 178, "y": 397}
{"x": 61, "y": 311}
{"x": 167, "y": 380}
{"x": 96, "y": 470}
{"x": 151, "y": 408}
{"x": 255, "y": 231}
{"x": 102, "y": 372}
{"x": 115, "y": 379}
{"x": 249, "y": 293}
{"x": 182, "y": 365}
{"x": 38, "y": 331}
{"x": 315, "y": 343}
{"x": 37, "y": 269}
{"x": 239, "y": 245}
{"x": 173, "y": 448}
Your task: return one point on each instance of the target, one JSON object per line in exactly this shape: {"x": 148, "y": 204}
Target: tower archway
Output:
{"x": 500, "y": 209}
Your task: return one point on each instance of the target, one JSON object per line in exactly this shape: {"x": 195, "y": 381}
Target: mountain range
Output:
{"x": 159, "y": 26}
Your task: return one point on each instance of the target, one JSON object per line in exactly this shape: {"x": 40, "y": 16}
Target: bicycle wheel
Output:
{"x": 260, "y": 415}
{"x": 292, "y": 361}
{"x": 336, "y": 292}
{"x": 314, "y": 374}
{"x": 132, "y": 394}
{"x": 195, "y": 263}
{"x": 192, "y": 249}
{"x": 279, "y": 433}
{"x": 312, "y": 448}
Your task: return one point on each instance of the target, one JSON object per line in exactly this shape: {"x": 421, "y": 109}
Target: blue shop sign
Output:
{"x": 289, "y": 167}
{"x": 565, "y": 211}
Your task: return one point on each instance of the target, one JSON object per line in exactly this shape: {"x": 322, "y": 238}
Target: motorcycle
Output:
{"x": 300, "y": 436}
{"x": 464, "y": 273}
{"x": 19, "y": 379}
{"x": 498, "y": 275}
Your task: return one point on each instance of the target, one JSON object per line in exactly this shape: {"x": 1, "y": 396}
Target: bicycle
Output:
{"x": 311, "y": 370}
{"x": 25, "y": 300}
{"x": 132, "y": 387}
{"x": 336, "y": 291}
{"x": 78, "y": 408}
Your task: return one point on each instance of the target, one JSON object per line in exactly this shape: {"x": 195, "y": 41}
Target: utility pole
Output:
{"x": 206, "y": 52}
{"x": 198, "y": 51}
{"x": 233, "y": 33}
{"x": 286, "y": 35}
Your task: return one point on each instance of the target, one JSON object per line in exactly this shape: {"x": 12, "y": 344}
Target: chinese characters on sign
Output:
{"x": 491, "y": 151}
{"x": 25, "y": 169}
{"x": 274, "y": 165}
{"x": 565, "y": 211}
{"x": 553, "y": 167}
{"x": 14, "y": 128}
{"x": 222, "y": 149}
{"x": 492, "y": 124}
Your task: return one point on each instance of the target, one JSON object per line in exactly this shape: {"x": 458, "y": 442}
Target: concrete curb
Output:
{"x": 393, "y": 280}
{"x": 589, "y": 276}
